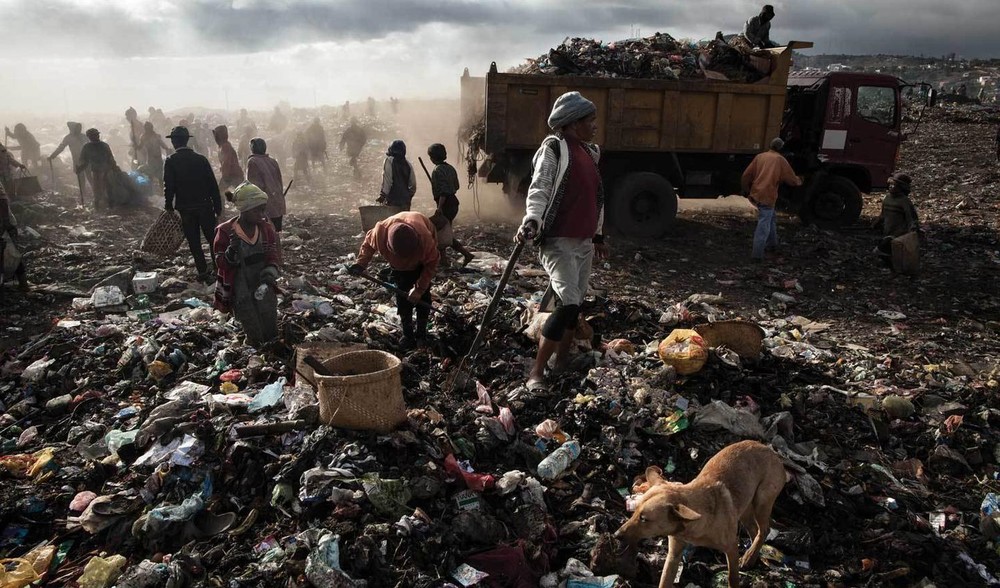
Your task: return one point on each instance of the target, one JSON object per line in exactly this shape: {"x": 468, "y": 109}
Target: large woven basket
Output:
{"x": 745, "y": 338}
{"x": 322, "y": 351}
{"x": 165, "y": 236}
{"x": 373, "y": 214}
{"x": 367, "y": 393}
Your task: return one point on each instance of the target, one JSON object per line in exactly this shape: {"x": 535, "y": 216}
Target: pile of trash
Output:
{"x": 658, "y": 57}
{"x": 145, "y": 444}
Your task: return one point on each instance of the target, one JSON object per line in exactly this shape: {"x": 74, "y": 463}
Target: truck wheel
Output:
{"x": 836, "y": 203}
{"x": 643, "y": 205}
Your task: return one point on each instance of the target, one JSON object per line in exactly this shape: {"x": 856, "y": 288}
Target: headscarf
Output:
{"x": 397, "y": 149}
{"x": 403, "y": 240}
{"x": 902, "y": 181}
{"x": 569, "y": 108}
{"x": 258, "y": 146}
{"x": 247, "y": 196}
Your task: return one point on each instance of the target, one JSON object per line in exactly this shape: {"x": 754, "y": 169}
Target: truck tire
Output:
{"x": 836, "y": 202}
{"x": 643, "y": 205}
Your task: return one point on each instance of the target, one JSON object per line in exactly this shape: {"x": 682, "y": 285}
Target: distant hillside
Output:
{"x": 946, "y": 72}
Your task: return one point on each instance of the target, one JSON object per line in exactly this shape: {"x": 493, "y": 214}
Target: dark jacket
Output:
{"x": 898, "y": 216}
{"x": 189, "y": 182}
{"x": 97, "y": 156}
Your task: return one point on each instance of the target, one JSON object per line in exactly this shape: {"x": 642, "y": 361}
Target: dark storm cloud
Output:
{"x": 45, "y": 28}
{"x": 192, "y": 27}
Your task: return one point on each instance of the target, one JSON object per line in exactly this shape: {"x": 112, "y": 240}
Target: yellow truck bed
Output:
{"x": 704, "y": 116}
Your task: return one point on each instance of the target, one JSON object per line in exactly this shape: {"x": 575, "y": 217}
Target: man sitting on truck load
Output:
{"x": 564, "y": 215}
{"x": 757, "y": 30}
{"x": 760, "y": 184}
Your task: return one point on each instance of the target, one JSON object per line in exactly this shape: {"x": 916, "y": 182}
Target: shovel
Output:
{"x": 491, "y": 310}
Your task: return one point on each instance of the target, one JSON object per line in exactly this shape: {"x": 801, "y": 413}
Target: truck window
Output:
{"x": 877, "y": 104}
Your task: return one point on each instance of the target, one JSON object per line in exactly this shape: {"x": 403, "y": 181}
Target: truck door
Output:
{"x": 873, "y": 131}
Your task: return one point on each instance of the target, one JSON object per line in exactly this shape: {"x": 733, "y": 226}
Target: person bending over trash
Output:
{"x": 444, "y": 187}
{"x": 407, "y": 241}
{"x": 247, "y": 262}
{"x": 564, "y": 215}
{"x": 898, "y": 216}
{"x": 399, "y": 183}
{"x": 96, "y": 156}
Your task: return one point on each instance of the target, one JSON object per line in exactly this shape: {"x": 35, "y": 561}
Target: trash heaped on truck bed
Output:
{"x": 658, "y": 57}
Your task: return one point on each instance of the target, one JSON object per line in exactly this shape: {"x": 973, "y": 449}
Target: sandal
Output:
{"x": 536, "y": 385}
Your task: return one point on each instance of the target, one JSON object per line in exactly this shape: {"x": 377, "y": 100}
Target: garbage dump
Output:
{"x": 145, "y": 444}
{"x": 659, "y": 57}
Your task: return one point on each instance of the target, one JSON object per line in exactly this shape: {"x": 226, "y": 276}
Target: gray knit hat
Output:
{"x": 569, "y": 108}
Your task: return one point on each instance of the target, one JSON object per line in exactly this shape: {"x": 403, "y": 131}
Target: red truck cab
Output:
{"x": 842, "y": 131}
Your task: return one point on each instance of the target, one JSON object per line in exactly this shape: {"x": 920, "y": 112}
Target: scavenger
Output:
{"x": 408, "y": 242}
{"x": 898, "y": 216}
{"x": 564, "y": 216}
{"x": 247, "y": 262}
{"x": 8, "y": 230}
{"x": 399, "y": 183}
{"x": 263, "y": 171}
{"x": 96, "y": 157}
{"x": 760, "y": 184}
{"x": 444, "y": 188}
{"x": 189, "y": 186}
{"x": 229, "y": 162}
{"x": 75, "y": 140}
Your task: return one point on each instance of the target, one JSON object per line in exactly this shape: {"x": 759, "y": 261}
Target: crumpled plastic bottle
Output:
{"x": 557, "y": 461}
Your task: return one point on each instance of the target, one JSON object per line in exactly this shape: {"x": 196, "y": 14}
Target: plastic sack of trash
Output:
{"x": 323, "y": 564}
{"x": 685, "y": 350}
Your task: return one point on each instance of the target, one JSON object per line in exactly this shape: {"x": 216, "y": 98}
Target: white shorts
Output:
{"x": 568, "y": 262}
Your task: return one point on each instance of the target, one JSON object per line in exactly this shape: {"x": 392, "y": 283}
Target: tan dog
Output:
{"x": 738, "y": 485}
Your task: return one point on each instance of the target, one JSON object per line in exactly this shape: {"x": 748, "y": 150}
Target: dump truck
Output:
{"x": 692, "y": 138}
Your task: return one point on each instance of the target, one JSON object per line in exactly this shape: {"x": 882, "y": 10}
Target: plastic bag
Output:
{"x": 16, "y": 573}
{"x": 268, "y": 397}
{"x": 11, "y": 257}
{"x": 685, "y": 350}
{"x": 101, "y": 572}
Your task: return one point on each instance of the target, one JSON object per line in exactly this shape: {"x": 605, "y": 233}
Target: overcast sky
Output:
{"x": 71, "y": 56}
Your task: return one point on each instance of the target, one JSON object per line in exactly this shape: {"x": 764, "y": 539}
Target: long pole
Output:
{"x": 487, "y": 316}
{"x": 420, "y": 159}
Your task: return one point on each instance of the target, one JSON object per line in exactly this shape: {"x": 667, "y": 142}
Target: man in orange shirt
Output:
{"x": 408, "y": 242}
{"x": 760, "y": 184}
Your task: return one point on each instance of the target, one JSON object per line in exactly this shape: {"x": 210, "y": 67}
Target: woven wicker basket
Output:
{"x": 165, "y": 236}
{"x": 322, "y": 351}
{"x": 373, "y": 214}
{"x": 745, "y": 338}
{"x": 367, "y": 395}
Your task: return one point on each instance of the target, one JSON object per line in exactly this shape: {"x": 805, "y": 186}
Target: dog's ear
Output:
{"x": 654, "y": 475}
{"x": 684, "y": 513}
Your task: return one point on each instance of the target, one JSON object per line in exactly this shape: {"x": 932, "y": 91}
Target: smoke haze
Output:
{"x": 80, "y": 56}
